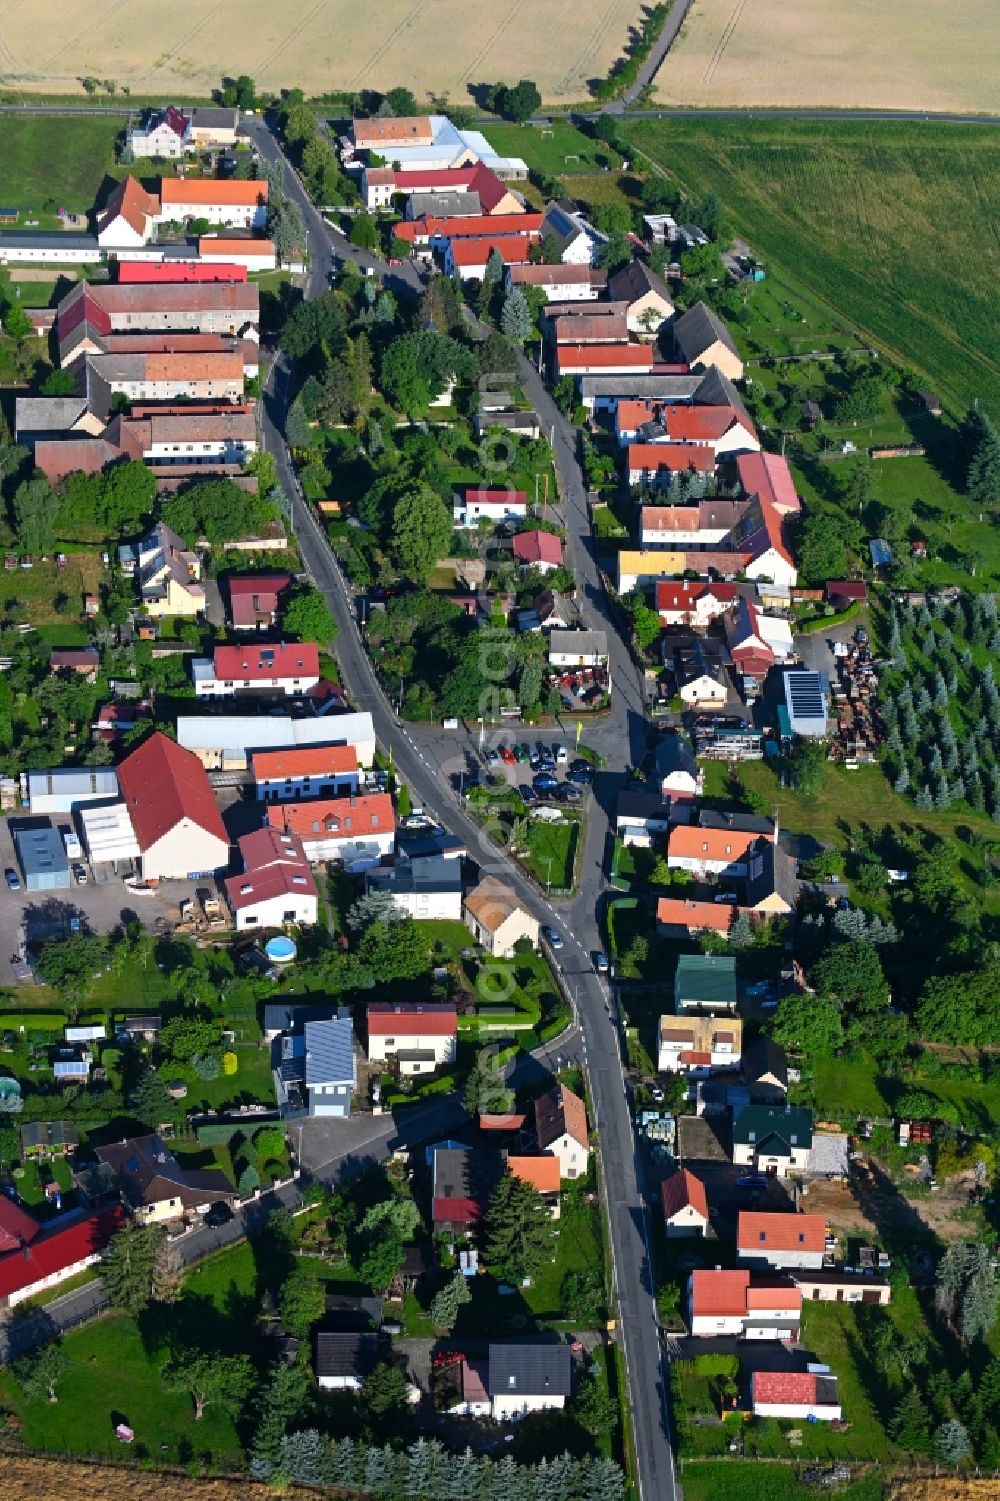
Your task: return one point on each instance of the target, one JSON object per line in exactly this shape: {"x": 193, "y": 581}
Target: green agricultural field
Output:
{"x": 48, "y": 163}
{"x": 892, "y": 225}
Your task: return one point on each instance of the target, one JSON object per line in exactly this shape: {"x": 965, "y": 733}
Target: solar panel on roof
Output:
{"x": 880, "y": 551}
{"x": 805, "y": 695}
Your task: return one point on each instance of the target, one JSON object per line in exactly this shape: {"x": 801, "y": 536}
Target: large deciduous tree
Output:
{"x": 420, "y": 534}
{"x": 211, "y": 1379}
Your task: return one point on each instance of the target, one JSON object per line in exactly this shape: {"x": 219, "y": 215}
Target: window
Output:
{"x": 250, "y": 920}
{"x": 762, "y": 1236}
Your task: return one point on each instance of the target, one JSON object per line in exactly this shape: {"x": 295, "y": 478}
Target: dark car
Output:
{"x": 581, "y": 778}
{"x": 579, "y": 764}
{"x": 567, "y": 793}
{"x": 527, "y": 794}
{"x": 544, "y": 782}
{"x": 13, "y": 879}
{"x": 219, "y": 1214}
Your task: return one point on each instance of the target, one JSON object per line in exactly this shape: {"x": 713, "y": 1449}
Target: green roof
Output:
{"x": 780, "y": 1128}
{"x": 705, "y": 980}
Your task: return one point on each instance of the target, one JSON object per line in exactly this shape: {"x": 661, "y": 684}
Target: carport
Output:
{"x": 109, "y": 840}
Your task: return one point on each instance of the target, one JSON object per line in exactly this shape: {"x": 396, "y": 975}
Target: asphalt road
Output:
{"x": 624, "y": 733}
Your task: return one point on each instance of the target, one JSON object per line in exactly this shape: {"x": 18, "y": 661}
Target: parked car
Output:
{"x": 579, "y": 764}
{"x": 507, "y": 755}
{"x": 520, "y": 753}
{"x": 552, "y": 938}
{"x": 527, "y": 794}
{"x": 544, "y": 782}
{"x": 567, "y": 793}
{"x": 752, "y": 1180}
{"x": 492, "y": 758}
{"x": 601, "y": 963}
{"x": 80, "y": 875}
{"x": 580, "y": 778}
{"x": 12, "y": 878}
{"x": 725, "y": 896}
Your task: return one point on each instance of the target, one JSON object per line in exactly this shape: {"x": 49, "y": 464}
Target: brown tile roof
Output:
{"x": 208, "y": 191}
{"x": 304, "y": 761}
{"x": 404, "y": 130}
{"x": 343, "y": 817}
{"x": 680, "y": 912}
{"x": 138, "y": 298}
{"x": 130, "y": 202}
{"x": 719, "y": 1293}
{"x": 491, "y": 903}
{"x": 559, "y": 1112}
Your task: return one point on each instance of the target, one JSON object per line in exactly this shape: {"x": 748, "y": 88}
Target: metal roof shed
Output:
{"x": 42, "y": 859}
{"x": 64, "y": 788}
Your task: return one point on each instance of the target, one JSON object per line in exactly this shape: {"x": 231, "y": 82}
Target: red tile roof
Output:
{"x": 231, "y": 245}
{"x": 470, "y": 226}
{"x": 58, "y": 457}
{"x": 768, "y": 475}
{"x": 411, "y": 1020}
{"x": 304, "y": 761}
{"x": 673, "y": 597}
{"x": 257, "y": 886}
{"x": 130, "y": 202}
{"x": 513, "y": 250}
{"x": 483, "y": 493}
{"x": 690, "y": 842}
{"x": 162, "y": 784}
{"x": 842, "y": 588}
{"x": 774, "y": 1294}
{"x": 693, "y": 424}
{"x": 605, "y": 356}
{"x": 538, "y": 547}
{"x": 564, "y": 276}
{"x": 675, "y": 457}
{"x": 263, "y": 847}
{"x": 57, "y": 1249}
{"x": 721, "y": 1293}
{"x": 590, "y": 328}
{"x": 267, "y": 664}
{"x": 780, "y": 1232}
{"x": 335, "y": 817}
{"x": 17, "y": 1227}
{"x": 785, "y": 1388}
{"x": 542, "y": 1172}
{"x": 680, "y": 912}
{"x": 254, "y": 595}
{"x": 681, "y": 1190}
{"x": 456, "y": 1211}
{"x": 177, "y": 271}
{"x": 231, "y": 192}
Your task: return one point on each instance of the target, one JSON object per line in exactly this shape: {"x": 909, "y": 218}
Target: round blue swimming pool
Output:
{"x": 280, "y": 950}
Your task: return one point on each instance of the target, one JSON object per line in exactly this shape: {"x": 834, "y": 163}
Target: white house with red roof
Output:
{"x": 173, "y": 811}
{"x": 418, "y": 1039}
{"x": 756, "y": 641}
{"x": 744, "y": 1303}
{"x": 706, "y": 523}
{"x": 356, "y": 832}
{"x": 604, "y": 359}
{"x": 541, "y": 550}
{"x": 164, "y": 134}
{"x": 271, "y": 669}
{"x": 276, "y": 887}
{"x": 780, "y": 1241}
{"x": 482, "y": 503}
{"x": 693, "y": 603}
{"x": 803, "y": 1395}
{"x": 254, "y": 600}
{"x": 45, "y": 1255}
{"x": 468, "y": 258}
{"x": 685, "y": 1205}
{"x": 652, "y": 464}
{"x": 298, "y": 771}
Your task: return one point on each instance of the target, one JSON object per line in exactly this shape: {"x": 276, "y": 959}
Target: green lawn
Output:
{"x": 558, "y": 150}
{"x": 551, "y": 852}
{"x": 47, "y": 163}
{"x": 736, "y": 1480}
{"x": 846, "y": 207}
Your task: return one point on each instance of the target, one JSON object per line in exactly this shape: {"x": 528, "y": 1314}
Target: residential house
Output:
{"x": 169, "y": 575}
{"x": 139, "y": 1029}
{"x": 703, "y": 525}
{"x": 473, "y": 183}
{"x": 749, "y": 1305}
{"x": 306, "y": 771}
{"x": 772, "y": 884}
{"x": 277, "y": 669}
{"x": 229, "y": 201}
{"x": 773, "y": 1140}
{"x": 685, "y": 1205}
{"x": 680, "y": 917}
{"x": 677, "y": 771}
{"x": 526, "y": 1378}
{"x": 701, "y": 339}
{"x": 417, "y": 1038}
{"x": 468, "y": 258}
{"x": 768, "y": 477}
{"x": 698, "y": 1045}
{"x": 254, "y": 600}
{"x": 699, "y": 669}
{"x": 316, "y": 1071}
{"x": 705, "y": 983}
{"x": 560, "y": 283}
{"x": 93, "y": 311}
{"x": 603, "y": 359}
{"x": 173, "y": 811}
{"x": 555, "y": 612}
{"x": 50, "y": 1254}
{"x": 49, "y": 1138}
{"x": 17, "y": 1228}
{"x": 127, "y": 219}
{"x": 780, "y": 1241}
{"x": 497, "y": 920}
{"x": 291, "y": 1016}
{"x": 809, "y": 1396}
{"x": 345, "y": 1358}
{"x": 561, "y": 1128}
{"x": 578, "y": 649}
{"x": 462, "y": 1180}
{"x": 541, "y": 550}
{"x": 216, "y": 375}
{"x": 155, "y": 1185}
{"x": 646, "y": 294}
{"x": 276, "y": 887}
{"x": 213, "y": 126}
{"x": 841, "y": 593}
{"x": 760, "y": 541}
{"x": 428, "y": 889}
{"x": 576, "y": 240}
{"x": 352, "y": 1313}
{"x": 710, "y": 852}
{"x": 419, "y": 144}
{"x": 765, "y": 1072}
{"x": 480, "y": 503}
{"x": 839, "y": 1285}
{"x": 693, "y": 604}
{"x": 356, "y": 832}
{"x": 641, "y": 818}
{"x": 756, "y": 641}
{"x": 164, "y": 134}
{"x": 543, "y": 1172}
{"x": 438, "y": 232}
{"x": 83, "y": 661}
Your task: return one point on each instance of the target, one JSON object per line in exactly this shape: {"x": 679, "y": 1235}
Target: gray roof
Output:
{"x": 641, "y": 805}
{"x": 806, "y": 701}
{"x": 702, "y": 979}
{"x": 330, "y": 1052}
{"x": 444, "y": 205}
{"x": 635, "y": 280}
{"x": 579, "y": 643}
{"x": 245, "y": 732}
{"x": 49, "y": 1134}
{"x": 47, "y": 414}
{"x": 674, "y": 753}
{"x": 764, "y": 1058}
{"x": 640, "y": 387}
{"x": 289, "y": 1016}
{"x": 346, "y": 1355}
{"x": 698, "y": 329}
{"x": 73, "y": 781}
{"x": 435, "y": 873}
{"x": 17, "y": 239}
{"x": 206, "y": 119}
{"x": 771, "y": 872}
{"x": 735, "y": 823}
{"x": 717, "y": 390}
{"x": 40, "y": 851}
{"x": 530, "y": 1370}
{"x": 351, "y": 1311}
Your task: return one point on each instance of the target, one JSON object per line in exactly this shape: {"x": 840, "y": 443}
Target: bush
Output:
{"x": 229, "y": 1063}
{"x": 206, "y": 1066}
{"x": 249, "y": 1181}
{"x": 269, "y": 1141}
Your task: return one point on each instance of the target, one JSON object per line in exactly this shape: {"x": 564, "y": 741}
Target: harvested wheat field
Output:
{"x": 24, "y": 1478}
{"x": 943, "y": 1488}
{"x": 875, "y": 54}
{"x": 433, "y": 46}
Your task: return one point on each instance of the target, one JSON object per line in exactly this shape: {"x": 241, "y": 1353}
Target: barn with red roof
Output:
{"x": 177, "y": 823}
